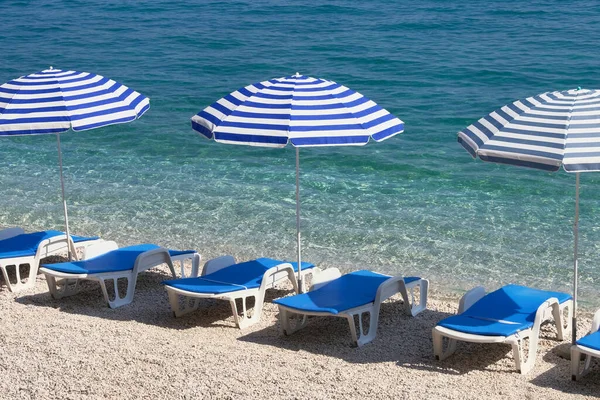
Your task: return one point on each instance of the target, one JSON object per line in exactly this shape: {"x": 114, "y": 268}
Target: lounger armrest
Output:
{"x": 152, "y": 258}
{"x": 216, "y": 264}
{"x": 55, "y": 244}
{"x": 390, "y": 287}
{"x": 596, "y": 322}
{"x": 98, "y": 248}
{"x": 541, "y": 313}
{"x": 470, "y": 298}
{"x": 322, "y": 277}
{"x": 274, "y": 274}
{"x": 11, "y": 232}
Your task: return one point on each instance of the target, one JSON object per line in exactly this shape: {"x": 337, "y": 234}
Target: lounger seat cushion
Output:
{"x": 122, "y": 259}
{"x": 504, "y": 312}
{"x": 26, "y": 245}
{"x": 246, "y": 275}
{"x": 344, "y": 293}
{"x": 591, "y": 341}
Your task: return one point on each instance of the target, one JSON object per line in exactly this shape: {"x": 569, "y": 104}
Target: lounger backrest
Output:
{"x": 99, "y": 248}
{"x": 362, "y": 284}
{"x": 596, "y": 322}
{"x": 470, "y": 298}
{"x": 217, "y": 263}
{"x": 322, "y": 277}
{"x": 122, "y": 259}
{"x": 352, "y": 290}
{"x": 513, "y": 303}
{"x": 23, "y": 245}
{"x": 248, "y": 273}
{"x": 27, "y": 244}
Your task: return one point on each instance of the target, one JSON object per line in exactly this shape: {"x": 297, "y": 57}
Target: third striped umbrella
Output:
{"x": 543, "y": 132}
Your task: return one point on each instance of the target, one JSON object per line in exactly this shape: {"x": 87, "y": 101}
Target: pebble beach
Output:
{"x": 416, "y": 204}
{"x": 79, "y": 348}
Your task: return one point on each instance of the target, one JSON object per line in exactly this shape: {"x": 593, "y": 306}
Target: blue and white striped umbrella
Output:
{"x": 305, "y": 111}
{"x": 53, "y": 101}
{"x": 543, "y": 132}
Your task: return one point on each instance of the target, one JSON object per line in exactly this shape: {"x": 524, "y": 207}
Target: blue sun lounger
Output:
{"x": 588, "y": 345}
{"x": 510, "y": 314}
{"x": 223, "y": 279}
{"x": 348, "y": 296}
{"x": 113, "y": 263}
{"x": 18, "y": 248}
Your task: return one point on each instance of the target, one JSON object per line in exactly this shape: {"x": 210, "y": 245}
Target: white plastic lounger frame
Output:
{"x": 548, "y": 310}
{"x": 291, "y": 320}
{"x": 271, "y": 277}
{"x": 55, "y": 245}
{"x": 577, "y": 350}
{"x": 63, "y": 284}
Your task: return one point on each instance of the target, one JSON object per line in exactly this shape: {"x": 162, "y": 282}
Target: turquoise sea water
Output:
{"x": 414, "y": 204}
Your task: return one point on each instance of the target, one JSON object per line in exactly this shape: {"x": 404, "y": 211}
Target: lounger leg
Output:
{"x": 350, "y": 319}
{"x": 240, "y": 320}
{"x": 411, "y": 307}
{"x": 178, "y": 311}
{"x": 563, "y": 324}
{"x": 234, "y": 311}
{"x": 517, "y": 355}
{"x": 19, "y": 284}
{"x": 5, "y": 275}
{"x": 62, "y": 287}
{"x": 32, "y": 277}
{"x": 576, "y": 362}
{"x": 245, "y": 319}
{"x": 371, "y": 333}
{"x": 588, "y": 362}
{"x": 525, "y": 365}
{"x": 285, "y": 321}
{"x": 438, "y": 346}
{"x": 119, "y": 301}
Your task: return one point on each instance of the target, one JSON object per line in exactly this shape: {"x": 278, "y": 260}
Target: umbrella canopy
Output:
{"x": 53, "y": 101}
{"x": 543, "y": 132}
{"x": 305, "y": 111}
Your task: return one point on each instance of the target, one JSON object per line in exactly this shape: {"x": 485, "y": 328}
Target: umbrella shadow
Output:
{"x": 401, "y": 339}
{"x": 559, "y": 376}
{"x": 150, "y": 305}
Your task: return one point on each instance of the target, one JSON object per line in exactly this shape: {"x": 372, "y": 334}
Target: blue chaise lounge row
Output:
{"x": 512, "y": 314}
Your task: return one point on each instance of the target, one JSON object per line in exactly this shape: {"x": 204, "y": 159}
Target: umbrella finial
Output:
{"x": 578, "y": 87}
{"x": 297, "y": 75}
{"x": 51, "y": 67}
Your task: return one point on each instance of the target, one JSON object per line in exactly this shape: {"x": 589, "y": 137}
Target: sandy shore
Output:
{"x": 77, "y": 348}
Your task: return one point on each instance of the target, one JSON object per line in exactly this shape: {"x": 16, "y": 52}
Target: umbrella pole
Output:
{"x": 575, "y": 272}
{"x": 298, "y": 243}
{"x": 62, "y": 186}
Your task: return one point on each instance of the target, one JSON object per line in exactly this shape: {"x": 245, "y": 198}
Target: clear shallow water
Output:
{"x": 414, "y": 204}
